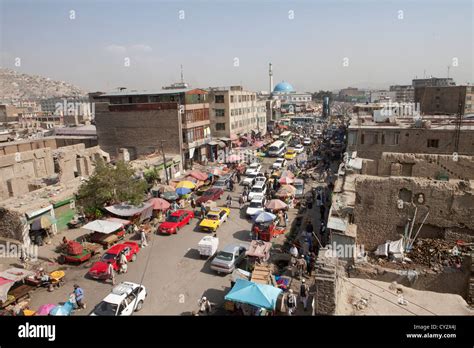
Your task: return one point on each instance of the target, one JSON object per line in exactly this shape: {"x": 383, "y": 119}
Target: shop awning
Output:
{"x": 103, "y": 226}
{"x": 128, "y": 210}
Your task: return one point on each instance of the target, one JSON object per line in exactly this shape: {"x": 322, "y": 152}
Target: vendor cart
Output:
{"x": 264, "y": 231}
{"x": 259, "y": 251}
{"x": 207, "y": 246}
{"x": 105, "y": 233}
{"x": 74, "y": 253}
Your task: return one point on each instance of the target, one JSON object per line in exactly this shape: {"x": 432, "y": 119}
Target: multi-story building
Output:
{"x": 429, "y": 135}
{"x": 433, "y": 82}
{"x": 403, "y": 93}
{"x": 68, "y": 106}
{"x": 236, "y": 112}
{"x": 352, "y": 94}
{"x": 381, "y": 96}
{"x": 140, "y": 121}
{"x": 445, "y": 100}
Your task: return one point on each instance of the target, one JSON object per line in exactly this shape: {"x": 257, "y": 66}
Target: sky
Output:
{"x": 313, "y": 44}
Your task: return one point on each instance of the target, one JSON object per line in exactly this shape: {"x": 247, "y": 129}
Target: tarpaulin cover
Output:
{"x": 259, "y": 295}
{"x": 9, "y": 277}
{"x": 5, "y": 285}
{"x": 103, "y": 226}
{"x": 45, "y": 309}
{"x": 259, "y": 248}
{"x": 146, "y": 210}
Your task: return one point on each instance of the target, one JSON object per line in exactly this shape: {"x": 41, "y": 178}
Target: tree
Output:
{"x": 110, "y": 185}
{"x": 321, "y": 94}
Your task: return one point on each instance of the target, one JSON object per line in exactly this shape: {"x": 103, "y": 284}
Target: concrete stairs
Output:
{"x": 452, "y": 174}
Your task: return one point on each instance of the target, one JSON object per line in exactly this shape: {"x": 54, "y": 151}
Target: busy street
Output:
{"x": 169, "y": 264}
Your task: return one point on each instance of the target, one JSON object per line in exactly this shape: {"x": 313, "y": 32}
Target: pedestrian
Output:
{"x": 281, "y": 219}
{"x": 318, "y": 200}
{"x": 294, "y": 251}
{"x": 204, "y": 305}
{"x": 322, "y": 211}
{"x": 143, "y": 238}
{"x": 229, "y": 201}
{"x": 304, "y": 292}
{"x": 123, "y": 263}
{"x": 193, "y": 202}
{"x": 79, "y": 294}
{"x": 111, "y": 272}
{"x": 238, "y": 177}
{"x": 301, "y": 266}
{"x": 311, "y": 263}
{"x": 322, "y": 230}
{"x": 285, "y": 215}
{"x": 309, "y": 228}
{"x": 291, "y": 302}
{"x": 231, "y": 185}
{"x": 241, "y": 201}
{"x": 203, "y": 211}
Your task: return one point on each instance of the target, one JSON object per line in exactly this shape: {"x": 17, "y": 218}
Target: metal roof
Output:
{"x": 128, "y": 92}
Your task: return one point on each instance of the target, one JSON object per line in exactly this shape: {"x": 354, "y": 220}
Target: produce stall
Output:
{"x": 105, "y": 232}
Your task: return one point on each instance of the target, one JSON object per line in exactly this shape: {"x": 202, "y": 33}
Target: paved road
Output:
{"x": 170, "y": 267}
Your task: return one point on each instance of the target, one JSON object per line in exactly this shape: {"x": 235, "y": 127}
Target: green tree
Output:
{"x": 110, "y": 185}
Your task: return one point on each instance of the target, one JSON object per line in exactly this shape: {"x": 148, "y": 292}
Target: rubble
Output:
{"x": 436, "y": 254}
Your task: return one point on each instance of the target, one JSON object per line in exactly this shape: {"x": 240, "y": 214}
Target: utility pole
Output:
{"x": 164, "y": 162}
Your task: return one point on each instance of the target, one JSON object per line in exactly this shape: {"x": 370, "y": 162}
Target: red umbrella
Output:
{"x": 198, "y": 175}
{"x": 276, "y": 204}
{"x": 286, "y": 180}
{"x": 159, "y": 204}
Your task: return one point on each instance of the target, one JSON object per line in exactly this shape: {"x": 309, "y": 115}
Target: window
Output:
{"x": 220, "y": 126}
{"x": 231, "y": 98}
{"x": 220, "y": 112}
{"x": 362, "y": 138}
{"x": 219, "y": 99}
{"x": 433, "y": 143}
{"x": 382, "y": 141}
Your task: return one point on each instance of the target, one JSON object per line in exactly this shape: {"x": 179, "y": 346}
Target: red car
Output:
{"x": 175, "y": 221}
{"x": 99, "y": 269}
{"x": 213, "y": 194}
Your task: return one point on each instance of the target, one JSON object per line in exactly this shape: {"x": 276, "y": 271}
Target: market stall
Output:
{"x": 261, "y": 298}
{"x": 105, "y": 232}
{"x": 13, "y": 287}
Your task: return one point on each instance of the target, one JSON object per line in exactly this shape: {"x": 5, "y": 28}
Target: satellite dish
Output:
{"x": 400, "y": 204}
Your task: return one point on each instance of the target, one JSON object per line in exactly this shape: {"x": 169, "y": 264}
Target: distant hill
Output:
{"x": 16, "y": 86}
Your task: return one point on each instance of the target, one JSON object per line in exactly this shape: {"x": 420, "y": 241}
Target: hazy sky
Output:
{"x": 385, "y": 42}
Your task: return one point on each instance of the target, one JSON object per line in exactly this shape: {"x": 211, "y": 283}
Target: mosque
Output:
{"x": 286, "y": 94}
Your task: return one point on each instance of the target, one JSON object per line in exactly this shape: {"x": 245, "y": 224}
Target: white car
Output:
{"x": 256, "y": 206}
{"x": 279, "y": 163}
{"x": 299, "y": 148}
{"x": 249, "y": 180}
{"x": 253, "y": 168}
{"x": 258, "y": 189}
{"x": 306, "y": 141}
{"x": 124, "y": 299}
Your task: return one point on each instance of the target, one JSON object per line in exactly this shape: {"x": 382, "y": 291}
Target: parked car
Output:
{"x": 176, "y": 221}
{"x": 259, "y": 189}
{"x": 124, "y": 299}
{"x": 279, "y": 163}
{"x": 222, "y": 182}
{"x": 228, "y": 258}
{"x": 251, "y": 179}
{"x": 307, "y": 141}
{"x": 214, "y": 218}
{"x": 213, "y": 194}
{"x": 299, "y": 148}
{"x": 290, "y": 154}
{"x": 253, "y": 168}
{"x": 256, "y": 206}
{"x": 99, "y": 269}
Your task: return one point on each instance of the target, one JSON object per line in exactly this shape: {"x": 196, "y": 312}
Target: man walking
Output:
{"x": 241, "y": 201}
{"x": 291, "y": 302}
{"x": 304, "y": 292}
{"x": 143, "y": 238}
{"x": 79, "y": 294}
{"x": 111, "y": 273}
{"x": 301, "y": 266}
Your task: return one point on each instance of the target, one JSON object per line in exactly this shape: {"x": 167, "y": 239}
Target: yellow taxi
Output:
{"x": 290, "y": 154}
{"x": 214, "y": 218}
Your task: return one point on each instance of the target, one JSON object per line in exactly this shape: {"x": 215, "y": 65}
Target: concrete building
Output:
{"x": 450, "y": 100}
{"x": 9, "y": 113}
{"x": 381, "y": 96}
{"x": 433, "y": 82}
{"x": 236, "y": 112}
{"x": 403, "y": 93}
{"x": 352, "y": 94}
{"x": 430, "y": 135}
{"x": 139, "y": 120}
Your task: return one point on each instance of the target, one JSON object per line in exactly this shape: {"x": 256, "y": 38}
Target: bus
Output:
{"x": 285, "y": 136}
{"x": 277, "y": 149}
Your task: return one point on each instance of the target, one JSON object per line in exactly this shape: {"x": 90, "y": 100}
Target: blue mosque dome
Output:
{"x": 283, "y": 87}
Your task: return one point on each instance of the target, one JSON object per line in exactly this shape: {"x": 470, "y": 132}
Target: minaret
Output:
{"x": 270, "y": 74}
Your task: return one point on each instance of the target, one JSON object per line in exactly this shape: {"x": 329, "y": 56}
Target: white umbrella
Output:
{"x": 103, "y": 226}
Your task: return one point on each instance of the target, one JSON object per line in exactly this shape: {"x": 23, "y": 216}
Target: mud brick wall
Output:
{"x": 451, "y": 206}
{"x": 327, "y": 283}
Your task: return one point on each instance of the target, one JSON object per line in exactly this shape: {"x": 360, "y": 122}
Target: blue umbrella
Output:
{"x": 65, "y": 309}
{"x": 259, "y": 295}
{"x": 265, "y": 217}
{"x": 183, "y": 191}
